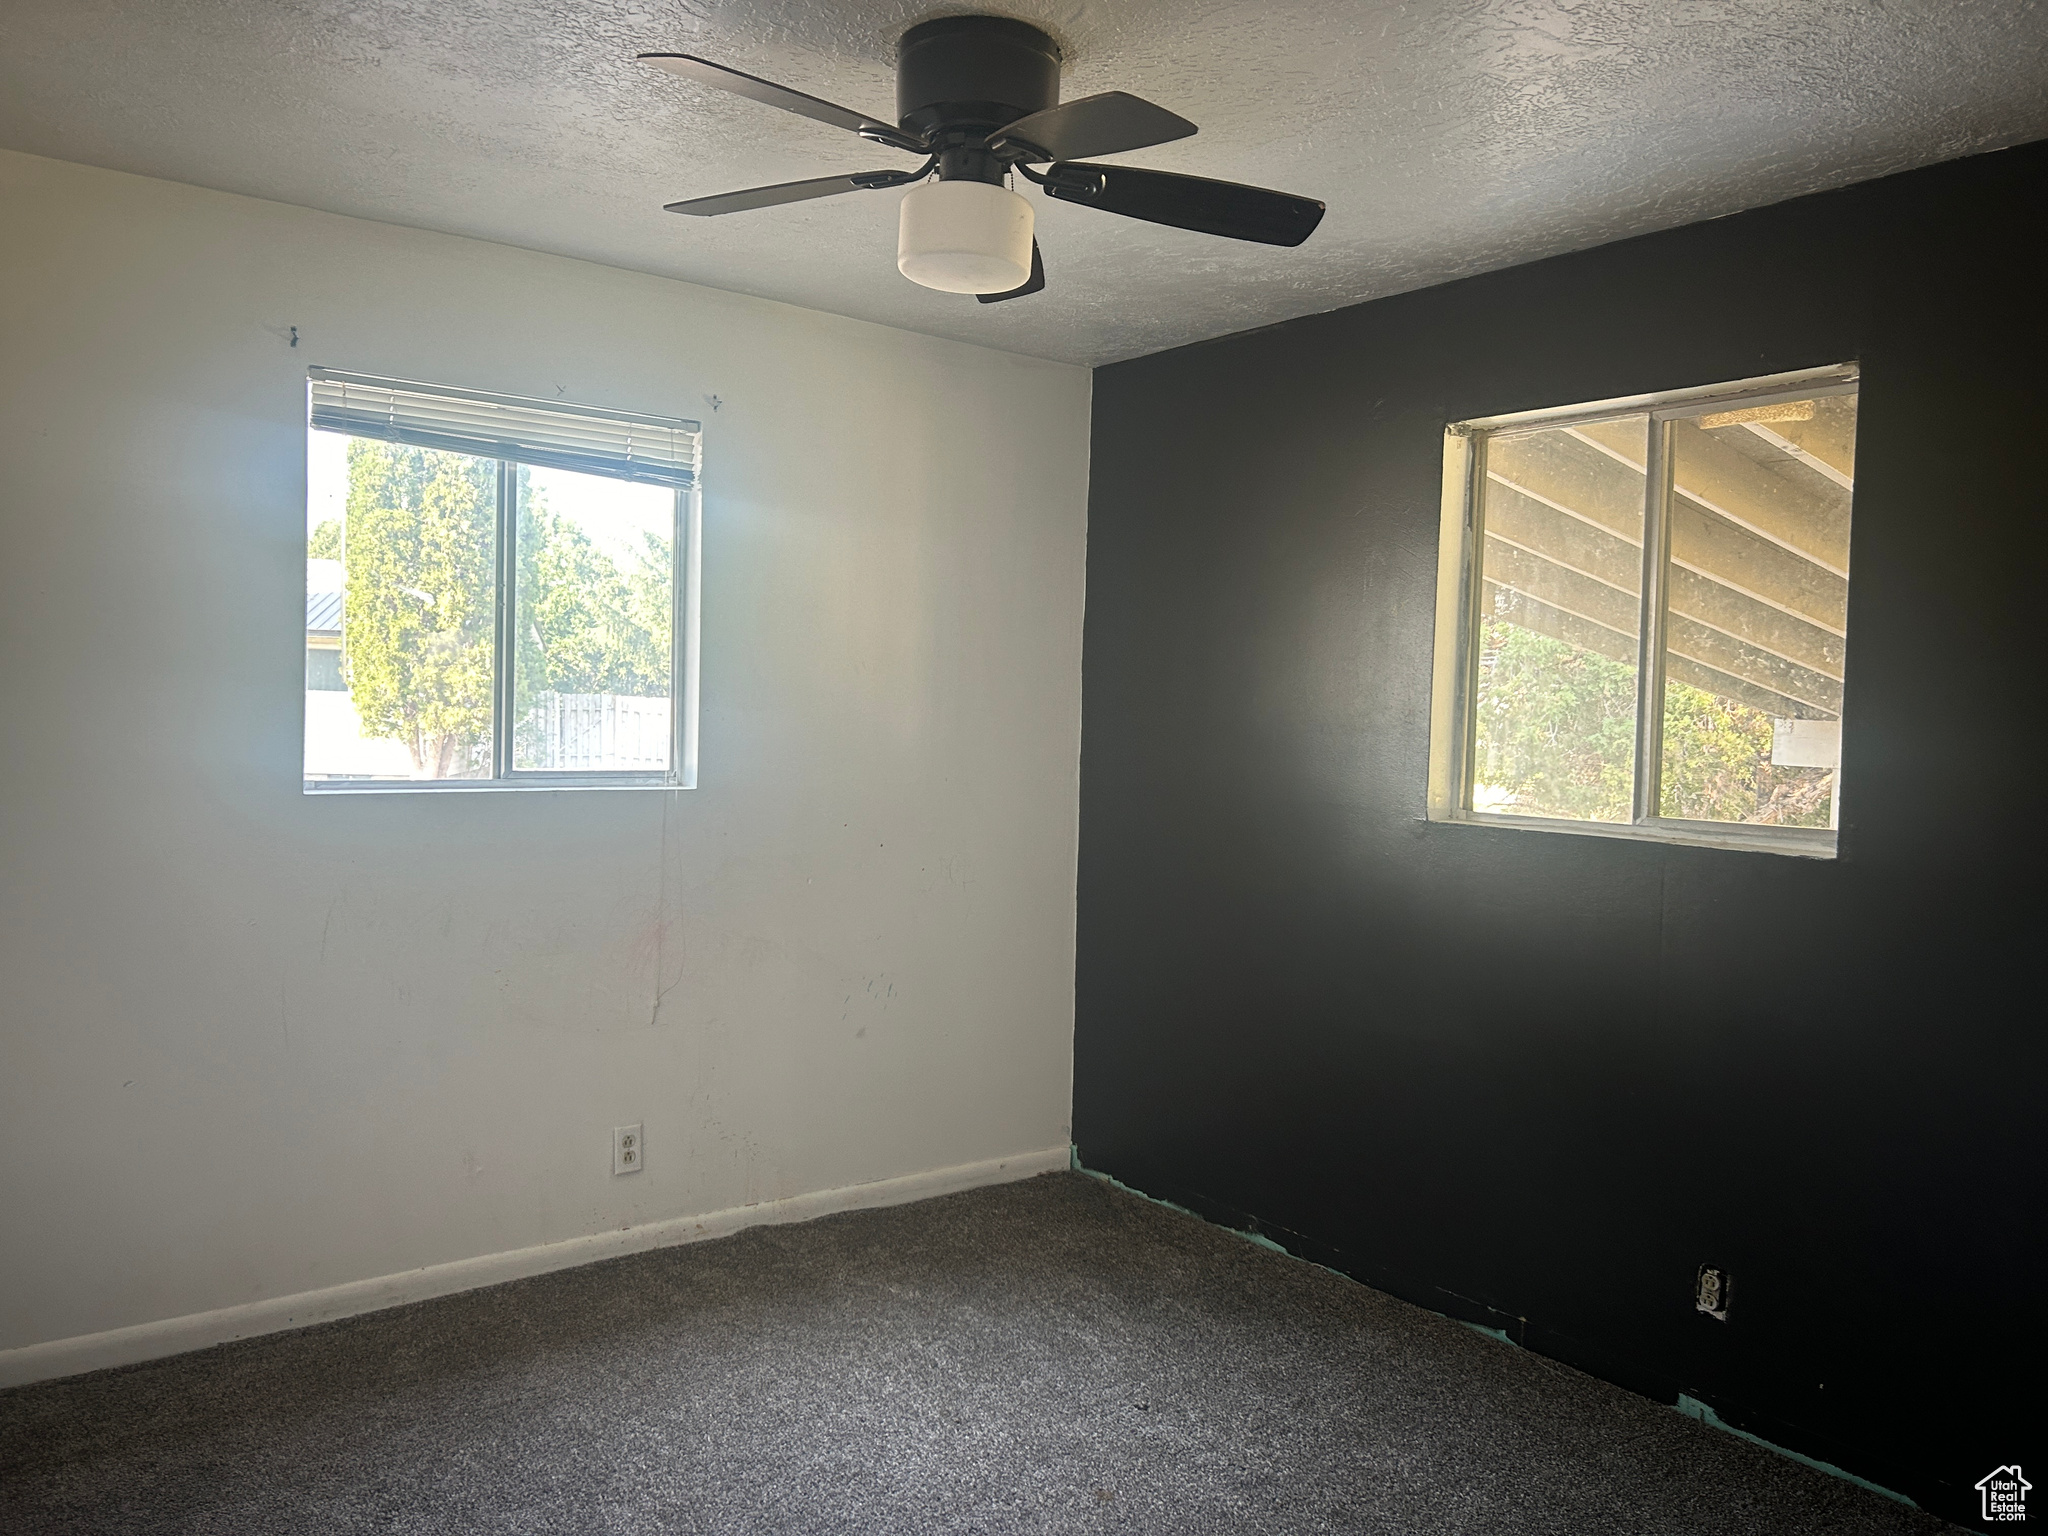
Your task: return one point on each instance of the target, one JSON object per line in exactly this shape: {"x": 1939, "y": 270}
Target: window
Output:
{"x": 1642, "y": 616}
{"x": 500, "y": 592}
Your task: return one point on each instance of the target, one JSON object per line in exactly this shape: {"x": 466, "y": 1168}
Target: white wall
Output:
{"x": 256, "y": 1043}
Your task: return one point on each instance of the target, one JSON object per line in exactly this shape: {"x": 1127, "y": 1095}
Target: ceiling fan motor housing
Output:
{"x": 963, "y": 77}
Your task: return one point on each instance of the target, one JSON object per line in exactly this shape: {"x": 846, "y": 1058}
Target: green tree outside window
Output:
{"x": 419, "y": 613}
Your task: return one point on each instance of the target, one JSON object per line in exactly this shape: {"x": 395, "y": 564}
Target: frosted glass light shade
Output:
{"x": 964, "y": 237}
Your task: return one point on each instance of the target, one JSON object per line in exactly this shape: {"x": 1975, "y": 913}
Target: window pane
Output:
{"x": 591, "y": 663}
{"x": 1756, "y": 612}
{"x": 401, "y": 550}
{"x": 1554, "y": 733}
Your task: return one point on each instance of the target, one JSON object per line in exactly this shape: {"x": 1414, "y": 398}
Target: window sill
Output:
{"x": 490, "y": 786}
{"x": 1735, "y": 837}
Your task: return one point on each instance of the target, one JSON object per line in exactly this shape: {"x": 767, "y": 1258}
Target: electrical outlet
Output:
{"x": 1711, "y": 1291}
{"x": 629, "y": 1149}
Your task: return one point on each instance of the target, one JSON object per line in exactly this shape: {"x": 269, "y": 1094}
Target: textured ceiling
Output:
{"x": 1447, "y": 136}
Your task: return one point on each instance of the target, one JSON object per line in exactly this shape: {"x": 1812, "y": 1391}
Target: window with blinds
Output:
{"x": 621, "y": 445}
{"x": 500, "y": 591}
{"x": 1643, "y": 616}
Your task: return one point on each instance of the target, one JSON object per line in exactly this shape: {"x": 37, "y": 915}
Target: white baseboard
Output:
{"x": 176, "y": 1335}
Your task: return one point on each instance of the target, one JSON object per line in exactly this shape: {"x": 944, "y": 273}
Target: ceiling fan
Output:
{"x": 979, "y": 97}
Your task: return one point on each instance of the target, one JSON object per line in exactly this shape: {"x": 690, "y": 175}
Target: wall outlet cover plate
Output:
{"x": 629, "y": 1152}
{"x": 1711, "y": 1291}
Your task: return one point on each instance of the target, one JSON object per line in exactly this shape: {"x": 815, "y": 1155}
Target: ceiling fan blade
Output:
{"x": 791, "y": 192}
{"x": 1031, "y": 284}
{"x": 754, "y": 88}
{"x": 1107, "y": 124}
{"x": 1188, "y": 202}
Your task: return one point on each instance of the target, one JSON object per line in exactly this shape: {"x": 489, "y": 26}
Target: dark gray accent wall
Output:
{"x": 1535, "y": 1081}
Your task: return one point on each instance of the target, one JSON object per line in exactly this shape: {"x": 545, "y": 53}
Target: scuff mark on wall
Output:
{"x": 1693, "y": 1408}
{"x": 877, "y": 992}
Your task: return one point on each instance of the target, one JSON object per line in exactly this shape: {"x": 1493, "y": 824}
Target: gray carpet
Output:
{"x": 1051, "y": 1356}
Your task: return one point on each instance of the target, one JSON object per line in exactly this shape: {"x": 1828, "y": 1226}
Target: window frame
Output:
{"x": 1460, "y": 578}
{"x": 686, "y": 590}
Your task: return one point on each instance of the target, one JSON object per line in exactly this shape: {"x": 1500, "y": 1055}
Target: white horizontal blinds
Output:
{"x": 658, "y": 450}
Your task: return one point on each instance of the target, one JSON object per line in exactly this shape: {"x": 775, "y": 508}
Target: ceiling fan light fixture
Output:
{"x": 964, "y": 237}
